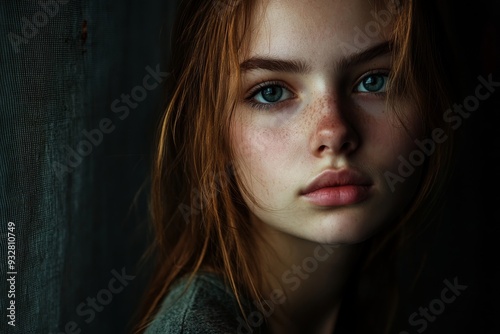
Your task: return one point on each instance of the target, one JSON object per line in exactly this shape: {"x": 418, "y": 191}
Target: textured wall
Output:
{"x": 74, "y": 151}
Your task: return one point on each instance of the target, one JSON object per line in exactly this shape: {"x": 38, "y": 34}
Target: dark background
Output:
{"x": 78, "y": 229}
{"x": 465, "y": 247}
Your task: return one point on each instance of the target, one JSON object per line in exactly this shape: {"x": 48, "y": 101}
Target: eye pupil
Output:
{"x": 272, "y": 93}
{"x": 373, "y": 83}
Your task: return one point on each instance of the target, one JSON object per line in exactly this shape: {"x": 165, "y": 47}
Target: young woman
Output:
{"x": 302, "y": 141}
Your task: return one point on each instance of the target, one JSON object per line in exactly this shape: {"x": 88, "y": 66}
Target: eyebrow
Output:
{"x": 364, "y": 56}
{"x": 301, "y": 67}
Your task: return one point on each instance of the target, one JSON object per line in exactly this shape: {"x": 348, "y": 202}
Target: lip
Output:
{"x": 337, "y": 188}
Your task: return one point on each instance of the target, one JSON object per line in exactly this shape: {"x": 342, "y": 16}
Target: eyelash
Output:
{"x": 266, "y": 84}
{"x": 259, "y": 88}
{"x": 368, "y": 74}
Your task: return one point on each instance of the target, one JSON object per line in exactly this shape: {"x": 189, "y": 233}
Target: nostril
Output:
{"x": 322, "y": 148}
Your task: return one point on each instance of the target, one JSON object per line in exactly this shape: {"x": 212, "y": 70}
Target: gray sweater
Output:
{"x": 206, "y": 307}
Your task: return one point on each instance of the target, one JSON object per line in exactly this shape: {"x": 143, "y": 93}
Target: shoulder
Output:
{"x": 204, "y": 306}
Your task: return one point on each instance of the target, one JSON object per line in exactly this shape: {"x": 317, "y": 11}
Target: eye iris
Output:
{"x": 373, "y": 83}
{"x": 272, "y": 93}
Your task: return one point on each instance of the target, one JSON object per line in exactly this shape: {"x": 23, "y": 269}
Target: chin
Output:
{"x": 348, "y": 227}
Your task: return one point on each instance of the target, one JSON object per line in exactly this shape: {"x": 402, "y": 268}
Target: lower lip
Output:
{"x": 338, "y": 196}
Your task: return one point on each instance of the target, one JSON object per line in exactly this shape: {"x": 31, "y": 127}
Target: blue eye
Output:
{"x": 271, "y": 94}
{"x": 268, "y": 95}
{"x": 373, "y": 83}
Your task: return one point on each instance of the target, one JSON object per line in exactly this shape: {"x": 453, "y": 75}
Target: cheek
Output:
{"x": 258, "y": 145}
{"x": 250, "y": 148}
{"x": 262, "y": 157}
{"x": 254, "y": 144}
{"x": 388, "y": 143}
{"x": 393, "y": 150}
{"x": 392, "y": 134}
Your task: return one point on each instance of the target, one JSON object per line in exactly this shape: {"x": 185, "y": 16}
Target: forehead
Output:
{"x": 311, "y": 28}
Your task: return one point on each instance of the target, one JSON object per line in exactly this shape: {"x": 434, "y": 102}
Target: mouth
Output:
{"x": 335, "y": 188}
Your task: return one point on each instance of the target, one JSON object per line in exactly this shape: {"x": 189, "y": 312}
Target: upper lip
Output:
{"x": 337, "y": 178}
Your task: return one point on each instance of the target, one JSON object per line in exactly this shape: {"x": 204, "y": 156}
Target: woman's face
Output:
{"x": 312, "y": 135}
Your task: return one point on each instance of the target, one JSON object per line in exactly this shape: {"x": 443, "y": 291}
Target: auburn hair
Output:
{"x": 199, "y": 219}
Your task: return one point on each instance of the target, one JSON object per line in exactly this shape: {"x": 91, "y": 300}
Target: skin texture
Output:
{"x": 321, "y": 124}
{"x": 323, "y": 121}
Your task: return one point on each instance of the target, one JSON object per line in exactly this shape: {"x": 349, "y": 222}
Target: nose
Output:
{"x": 333, "y": 130}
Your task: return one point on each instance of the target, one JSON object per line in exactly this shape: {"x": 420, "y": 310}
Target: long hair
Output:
{"x": 198, "y": 214}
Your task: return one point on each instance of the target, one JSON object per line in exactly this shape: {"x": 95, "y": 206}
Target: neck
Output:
{"x": 304, "y": 281}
